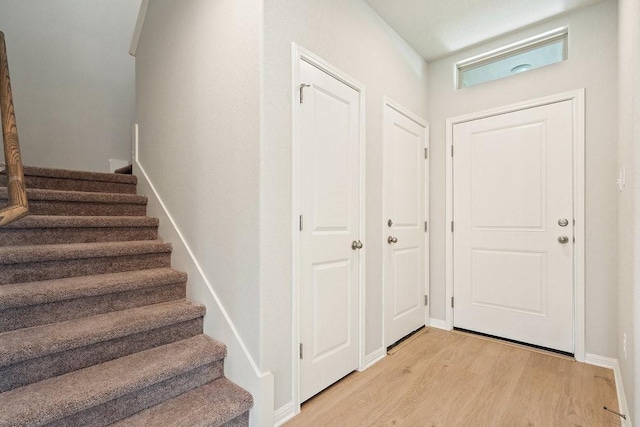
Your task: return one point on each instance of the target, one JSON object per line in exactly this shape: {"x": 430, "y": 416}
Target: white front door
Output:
{"x": 513, "y": 226}
{"x": 329, "y": 270}
{"x": 405, "y": 142}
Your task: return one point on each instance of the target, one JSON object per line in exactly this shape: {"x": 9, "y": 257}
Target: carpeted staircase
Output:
{"x": 94, "y": 325}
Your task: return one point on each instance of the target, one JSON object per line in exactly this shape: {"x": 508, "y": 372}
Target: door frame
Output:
{"x": 388, "y": 102}
{"x": 298, "y": 54}
{"x": 577, "y": 97}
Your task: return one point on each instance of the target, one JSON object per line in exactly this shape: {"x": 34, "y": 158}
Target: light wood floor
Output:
{"x": 440, "y": 378}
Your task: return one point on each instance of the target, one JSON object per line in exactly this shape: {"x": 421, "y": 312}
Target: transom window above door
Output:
{"x": 534, "y": 52}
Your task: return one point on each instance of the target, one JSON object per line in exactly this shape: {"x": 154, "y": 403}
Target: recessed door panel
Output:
{"x": 331, "y": 308}
{"x": 409, "y": 146}
{"x": 408, "y": 289}
{"x": 509, "y": 280}
{"x": 508, "y": 169}
{"x": 332, "y": 160}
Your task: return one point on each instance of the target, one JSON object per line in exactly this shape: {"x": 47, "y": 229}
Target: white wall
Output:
{"x": 349, "y": 35}
{"x": 215, "y": 140}
{"x": 72, "y": 78}
{"x": 629, "y": 199}
{"x": 198, "y": 111}
{"x": 592, "y": 64}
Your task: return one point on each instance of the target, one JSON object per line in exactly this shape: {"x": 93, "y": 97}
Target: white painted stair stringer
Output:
{"x": 239, "y": 365}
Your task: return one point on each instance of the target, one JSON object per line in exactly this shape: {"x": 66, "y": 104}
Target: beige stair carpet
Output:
{"x": 95, "y": 329}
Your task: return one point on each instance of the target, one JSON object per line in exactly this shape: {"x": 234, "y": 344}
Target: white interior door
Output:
{"x": 329, "y": 269}
{"x": 513, "y": 226}
{"x": 405, "y": 162}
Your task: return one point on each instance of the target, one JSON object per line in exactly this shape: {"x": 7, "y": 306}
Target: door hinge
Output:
{"x": 426, "y": 226}
{"x": 451, "y": 302}
{"x": 426, "y": 153}
{"x": 302, "y": 86}
{"x": 426, "y": 300}
{"x": 452, "y": 151}
{"x": 452, "y": 226}
{"x": 300, "y": 222}
{"x": 301, "y": 353}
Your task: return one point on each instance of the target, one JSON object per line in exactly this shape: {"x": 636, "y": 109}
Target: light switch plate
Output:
{"x": 622, "y": 178}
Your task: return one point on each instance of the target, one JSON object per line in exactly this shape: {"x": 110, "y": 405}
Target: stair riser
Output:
{"x": 54, "y": 207}
{"x": 49, "y": 236}
{"x": 239, "y": 421}
{"x": 125, "y": 406}
{"x": 46, "y": 183}
{"x": 26, "y": 317}
{"x": 36, "y": 271}
{"x": 30, "y": 371}
{"x": 218, "y": 403}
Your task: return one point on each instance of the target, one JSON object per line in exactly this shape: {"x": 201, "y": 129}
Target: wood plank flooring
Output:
{"x": 441, "y": 378}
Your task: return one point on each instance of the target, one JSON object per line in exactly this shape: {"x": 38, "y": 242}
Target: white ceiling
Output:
{"x": 437, "y": 28}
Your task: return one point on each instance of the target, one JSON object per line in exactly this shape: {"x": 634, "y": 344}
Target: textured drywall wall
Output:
{"x": 629, "y": 201}
{"x": 592, "y": 64}
{"x": 437, "y": 28}
{"x": 350, "y": 36}
{"x": 73, "y": 79}
{"x": 198, "y": 111}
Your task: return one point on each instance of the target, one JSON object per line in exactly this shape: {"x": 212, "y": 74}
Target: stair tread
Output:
{"x": 37, "y": 194}
{"x": 47, "y": 291}
{"x": 77, "y": 221}
{"x": 80, "y": 175}
{"x": 38, "y": 341}
{"x": 66, "y": 251}
{"x": 209, "y": 405}
{"x": 57, "y": 397}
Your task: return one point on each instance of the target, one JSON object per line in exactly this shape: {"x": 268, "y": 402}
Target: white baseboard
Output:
{"x": 611, "y": 363}
{"x": 440, "y": 324}
{"x": 287, "y": 411}
{"x": 284, "y": 414}
{"x": 602, "y": 361}
{"x": 239, "y": 365}
{"x": 374, "y": 357}
{"x": 622, "y": 397}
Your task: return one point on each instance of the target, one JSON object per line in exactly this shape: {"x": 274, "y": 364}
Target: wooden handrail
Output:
{"x": 17, "y": 192}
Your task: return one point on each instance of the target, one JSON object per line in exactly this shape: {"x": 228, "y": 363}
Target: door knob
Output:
{"x": 357, "y": 244}
{"x": 563, "y": 239}
{"x": 391, "y": 240}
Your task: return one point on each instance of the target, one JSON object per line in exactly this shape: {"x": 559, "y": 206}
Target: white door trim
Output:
{"x": 404, "y": 111}
{"x": 298, "y": 54}
{"x": 422, "y": 122}
{"x": 578, "y": 99}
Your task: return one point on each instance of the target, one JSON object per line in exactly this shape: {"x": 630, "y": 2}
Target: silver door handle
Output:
{"x": 391, "y": 240}
{"x": 563, "y": 239}
{"x": 357, "y": 244}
